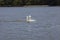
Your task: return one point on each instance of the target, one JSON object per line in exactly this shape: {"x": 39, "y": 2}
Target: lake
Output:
{"x": 46, "y": 27}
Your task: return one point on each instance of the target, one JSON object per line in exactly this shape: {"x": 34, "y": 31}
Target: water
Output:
{"x": 47, "y": 26}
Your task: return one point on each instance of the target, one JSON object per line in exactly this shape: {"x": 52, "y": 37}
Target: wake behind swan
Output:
{"x": 27, "y": 19}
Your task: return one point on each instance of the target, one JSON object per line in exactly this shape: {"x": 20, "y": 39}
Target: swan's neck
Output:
{"x": 28, "y": 18}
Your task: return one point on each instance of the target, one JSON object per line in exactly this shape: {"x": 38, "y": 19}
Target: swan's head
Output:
{"x": 29, "y": 16}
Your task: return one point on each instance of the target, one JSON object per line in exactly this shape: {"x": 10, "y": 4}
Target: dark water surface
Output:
{"x": 47, "y": 26}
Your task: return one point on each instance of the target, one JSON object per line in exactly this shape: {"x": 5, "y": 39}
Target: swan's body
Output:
{"x": 29, "y": 19}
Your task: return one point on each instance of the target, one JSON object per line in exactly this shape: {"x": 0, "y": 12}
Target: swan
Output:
{"x": 29, "y": 19}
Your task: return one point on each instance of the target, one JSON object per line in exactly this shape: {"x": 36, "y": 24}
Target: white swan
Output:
{"x": 29, "y": 19}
